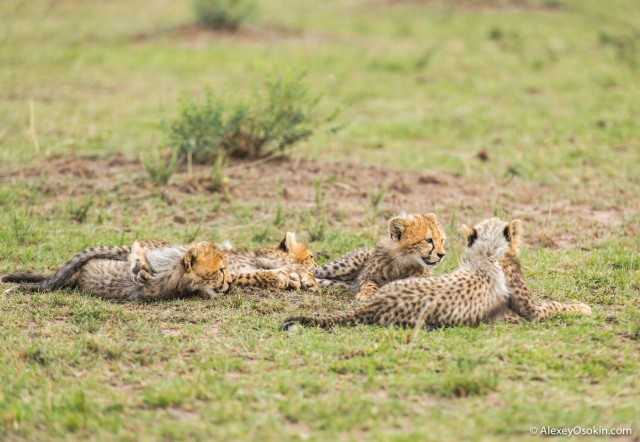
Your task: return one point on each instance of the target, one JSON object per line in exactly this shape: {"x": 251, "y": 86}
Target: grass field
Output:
{"x": 468, "y": 108}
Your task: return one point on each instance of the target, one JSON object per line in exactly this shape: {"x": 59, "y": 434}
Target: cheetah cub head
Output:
{"x": 419, "y": 237}
{"x": 298, "y": 251}
{"x": 493, "y": 238}
{"x": 206, "y": 269}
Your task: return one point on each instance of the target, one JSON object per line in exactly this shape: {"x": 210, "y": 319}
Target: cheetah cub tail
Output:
{"x": 24, "y": 277}
{"x": 290, "y": 323}
{"x": 25, "y": 281}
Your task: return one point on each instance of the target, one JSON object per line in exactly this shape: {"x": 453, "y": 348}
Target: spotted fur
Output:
{"x": 486, "y": 286}
{"x": 413, "y": 247}
{"x": 289, "y": 266}
{"x": 173, "y": 271}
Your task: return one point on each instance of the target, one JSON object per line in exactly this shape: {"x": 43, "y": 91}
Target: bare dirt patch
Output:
{"x": 121, "y": 183}
{"x": 196, "y": 35}
{"x": 488, "y": 5}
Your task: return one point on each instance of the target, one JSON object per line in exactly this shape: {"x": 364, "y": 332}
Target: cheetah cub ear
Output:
{"x": 289, "y": 242}
{"x": 470, "y": 233}
{"x": 512, "y": 232}
{"x": 431, "y": 217}
{"x": 190, "y": 258}
{"x": 397, "y": 228}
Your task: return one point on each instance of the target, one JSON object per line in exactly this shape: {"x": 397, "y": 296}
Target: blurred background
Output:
{"x": 543, "y": 89}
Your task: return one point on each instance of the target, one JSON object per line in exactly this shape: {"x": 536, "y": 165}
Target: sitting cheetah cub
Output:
{"x": 478, "y": 291}
{"x": 413, "y": 248}
{"x": 178, "y": 271}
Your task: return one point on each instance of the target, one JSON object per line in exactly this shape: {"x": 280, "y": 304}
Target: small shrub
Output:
{"x": 170, "y": 393}
{"x": 80, "y": 212}
{"x": 21, "y": 228}
{"x": 217, "y": 173}
{"x": 36, "y": 355}
{"x": 318, "y": 221}
{"x": 468, "y": 378}
{"x": 425, "y": 59}
{"x": 627, "y": 46}
{"x": 273, "y": 121}
{"x": 225, "y": 15}
{"x": 317, "y": 228}
{"x": 279, "y": 219}
{"x": 260, "y": 235}
{"x": 189, "y": 234}
{"x": 160, "y": 167}
{"x": 375, "y": 198}
{"x": 631, "y": 322}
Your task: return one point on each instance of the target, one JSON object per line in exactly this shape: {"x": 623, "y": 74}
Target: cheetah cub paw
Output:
{"x": 288, "y": 279}
{"x": 363, "y": 296}
{"x": 582, "y": 308}
{"x": 308, "y": 281}
{"x": 141, "y": 270}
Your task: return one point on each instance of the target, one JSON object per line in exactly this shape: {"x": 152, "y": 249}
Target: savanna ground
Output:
{"x": 467, "y": 108}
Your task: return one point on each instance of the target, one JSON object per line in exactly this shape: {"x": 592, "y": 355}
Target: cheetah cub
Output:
{"x": 288, "y": 266}
{"x": 413, "y": 247}
{"x": 478, "y": 291}
{"x": 177, "y": 271}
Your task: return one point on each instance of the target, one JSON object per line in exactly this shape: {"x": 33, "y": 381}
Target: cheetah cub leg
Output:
{"x": 138, "y": 264}
{"x": 367, "y": 288}
{"x": 510, "y": 317}
{"x": 521, "y": 299}
{"x": 546, "y": 310}
{"x": 278, "y": 279}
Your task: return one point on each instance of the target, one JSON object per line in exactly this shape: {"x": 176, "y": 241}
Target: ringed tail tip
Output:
{"x": 288, "y": 325}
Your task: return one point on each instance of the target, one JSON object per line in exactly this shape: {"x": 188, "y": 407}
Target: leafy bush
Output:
{"x": 272, "y": 121}
{"x": 198, "y": 130}
{"x": 223, "y": 14}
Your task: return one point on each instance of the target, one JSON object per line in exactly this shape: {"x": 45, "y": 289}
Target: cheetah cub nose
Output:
{"x": 441, "y": 255}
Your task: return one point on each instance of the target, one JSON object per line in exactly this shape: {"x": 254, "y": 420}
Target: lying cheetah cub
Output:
{"x": 413, "y": 248}
{"x": 478, "y": 291}
{"x": 178, "y": 271}
{"x": 289, "y": 266}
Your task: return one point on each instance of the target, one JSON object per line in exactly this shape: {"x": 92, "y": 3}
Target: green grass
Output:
{"x": 421, "y": 86}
